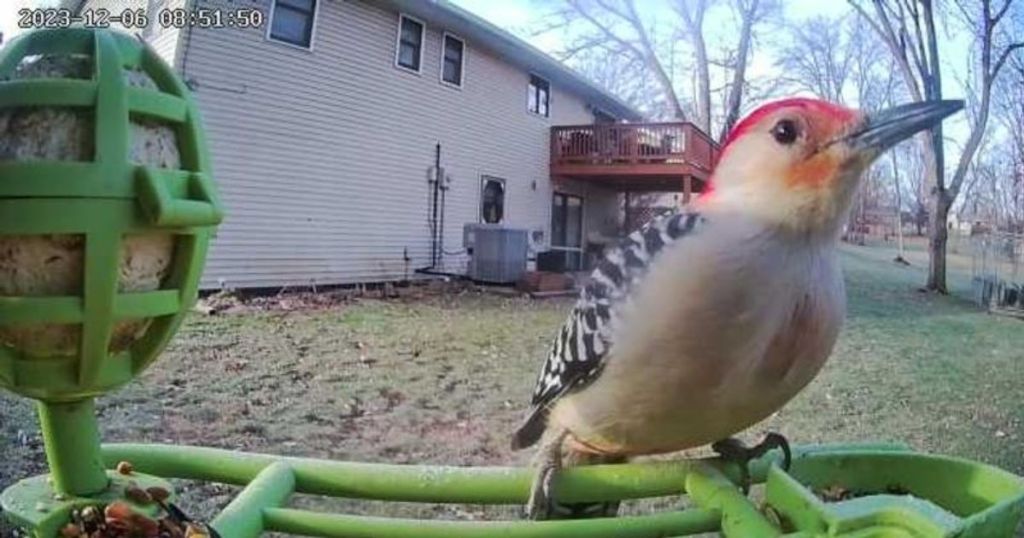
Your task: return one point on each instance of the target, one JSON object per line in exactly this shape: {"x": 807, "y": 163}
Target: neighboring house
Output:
{"x": 326, "y": 122}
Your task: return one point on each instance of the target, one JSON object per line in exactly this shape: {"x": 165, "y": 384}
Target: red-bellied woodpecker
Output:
{"x": 710, "y": 319}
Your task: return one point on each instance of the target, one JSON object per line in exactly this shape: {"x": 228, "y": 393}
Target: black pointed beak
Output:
{"x": 884, "y": 129}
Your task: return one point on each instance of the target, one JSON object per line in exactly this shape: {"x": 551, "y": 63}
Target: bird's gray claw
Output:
{"x": 733, "y": 450}
{"x": 776, "y": 440}
{"x": 541, "y": 494}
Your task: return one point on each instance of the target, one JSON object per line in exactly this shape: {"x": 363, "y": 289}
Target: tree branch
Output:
{"x": 748, "y": 13}
{"x": 883, "y": 27}
{"x": 1004, "y": 56}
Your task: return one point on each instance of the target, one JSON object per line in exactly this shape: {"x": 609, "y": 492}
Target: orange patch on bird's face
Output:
{"x": 817, "y": 171}
{"x": 823, "y": 164}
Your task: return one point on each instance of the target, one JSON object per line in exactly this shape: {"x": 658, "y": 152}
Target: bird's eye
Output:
{"x": 785, "y": 132}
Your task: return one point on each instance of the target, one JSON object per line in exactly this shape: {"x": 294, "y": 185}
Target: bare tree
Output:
{"x": 907, "y": 27}
{"x": 692, "y": 15}
{"x": 816, "y": 57}
{"x": 990, "y": 190}
{"x": 619, "y": 31}
{"x": 629, "y": 80}
{"x": 1010, "y": 114}
{"x": 994, "y": 186}
{"x": 837, "y": 58}
{"x": 913, "y": 187}
{"x": 751, "y": 13}
{"x": 616, "y": 29}
{"x": 873, "y": 76}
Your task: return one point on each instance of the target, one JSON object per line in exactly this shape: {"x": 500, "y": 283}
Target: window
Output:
{"x": 452, "y": 60}
{"x": 492, "y": 204}
{"x": 538, "y": 95}
{"x": 291, "y": 21}
{"x": 410, "y": 43}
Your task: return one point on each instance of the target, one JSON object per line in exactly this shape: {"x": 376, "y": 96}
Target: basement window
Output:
{"x": 291, "y": 21}
{"x": 492, "y": 203}
{"x": 452, "y": 60}
{"x": 409, "y": 52}
{"x": 538, "y": 94}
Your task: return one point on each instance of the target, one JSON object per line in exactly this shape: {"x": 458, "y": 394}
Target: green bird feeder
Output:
{"x": 102, "y": 254}
{"x": 107, "y": 206}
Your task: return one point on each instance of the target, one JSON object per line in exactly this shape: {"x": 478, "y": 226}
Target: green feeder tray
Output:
{"x": 857, "y": 491}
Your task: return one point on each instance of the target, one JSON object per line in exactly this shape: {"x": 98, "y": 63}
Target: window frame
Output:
{"x": 462, "y": 61}
{"x": 398, "y": 43}
{"x": 532, "y": 89}
{"x": 312, "y": 27}
{"x": 484, "y": 179}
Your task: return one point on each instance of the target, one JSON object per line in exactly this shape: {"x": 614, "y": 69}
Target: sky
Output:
{"x": 9, "y": 14}
{"x": 519, "y": 15}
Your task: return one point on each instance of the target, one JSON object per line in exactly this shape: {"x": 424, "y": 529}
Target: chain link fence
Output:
{"x": 998, "y": 272}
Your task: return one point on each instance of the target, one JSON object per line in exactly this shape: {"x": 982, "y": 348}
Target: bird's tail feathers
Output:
{"x": 531, "y": 430}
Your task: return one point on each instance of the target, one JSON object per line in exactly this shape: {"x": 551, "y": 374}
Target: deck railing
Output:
{"x": 632, "y": 143}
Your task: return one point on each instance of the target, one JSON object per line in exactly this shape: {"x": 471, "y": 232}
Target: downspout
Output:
{"x": 440, "y": 230}
{"x": 436, "y": 222}
{"x": 433, "y": 218}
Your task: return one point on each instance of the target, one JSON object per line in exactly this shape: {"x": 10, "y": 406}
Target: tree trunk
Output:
{"x": 938, "y": 214}
{"x": 937, "y": 239}
{"x": 703, "y": 86}
{"x": 694, "y": 25}
{"x": 735, "y": 101}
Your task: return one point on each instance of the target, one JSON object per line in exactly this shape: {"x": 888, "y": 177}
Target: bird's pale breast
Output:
{"x": 716, "y": 338}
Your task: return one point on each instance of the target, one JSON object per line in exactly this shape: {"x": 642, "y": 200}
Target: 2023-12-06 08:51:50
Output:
{"x": 211, "y": 18}
{"x": 138, "y": 18}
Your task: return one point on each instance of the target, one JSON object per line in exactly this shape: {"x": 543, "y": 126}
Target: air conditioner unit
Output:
{"x": 497, "y": 253}
{"x": 469, "y": 234}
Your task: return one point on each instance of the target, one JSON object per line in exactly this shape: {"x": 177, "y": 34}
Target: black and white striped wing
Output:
{"x": 581, "y": 347}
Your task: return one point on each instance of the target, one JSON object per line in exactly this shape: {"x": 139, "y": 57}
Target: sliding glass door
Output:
{"x": 567, "y": 229}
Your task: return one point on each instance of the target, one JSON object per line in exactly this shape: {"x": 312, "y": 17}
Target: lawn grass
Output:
{"x": 445, "y": 379}
{"x": 928, "y": 370}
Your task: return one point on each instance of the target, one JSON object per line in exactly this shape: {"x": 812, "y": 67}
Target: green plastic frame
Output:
{"x": 948, "y": 497}
{"x": 104, "y": 200}
{"x": 937, "y": 497}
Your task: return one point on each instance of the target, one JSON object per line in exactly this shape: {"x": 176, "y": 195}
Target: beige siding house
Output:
{"x": 326, "y": 123}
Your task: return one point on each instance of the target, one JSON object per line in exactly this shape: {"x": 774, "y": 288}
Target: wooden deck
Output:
{"x": 675, "y": 156}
